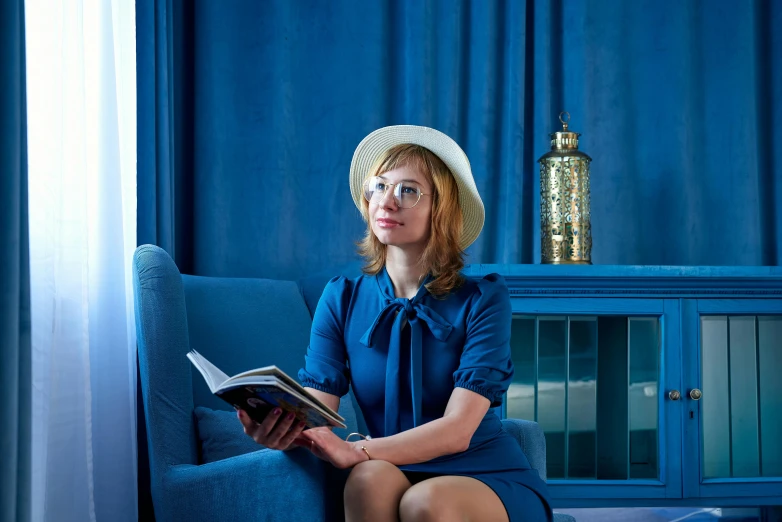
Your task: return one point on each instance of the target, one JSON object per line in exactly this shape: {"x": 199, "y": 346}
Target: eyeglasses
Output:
{"x": 406, "y": 194}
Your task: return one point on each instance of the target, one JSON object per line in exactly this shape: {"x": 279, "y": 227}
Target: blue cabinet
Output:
{"x": 654, "y": 385}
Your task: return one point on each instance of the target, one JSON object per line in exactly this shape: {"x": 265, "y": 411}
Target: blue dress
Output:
{"x": 404, "y": 357}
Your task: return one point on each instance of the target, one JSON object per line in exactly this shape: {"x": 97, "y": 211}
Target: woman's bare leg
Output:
{"x": 373, "y": 491}
{"x": 451, "y": 498}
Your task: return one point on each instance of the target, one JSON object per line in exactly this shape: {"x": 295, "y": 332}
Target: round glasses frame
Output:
{"x": 397, "y": 199}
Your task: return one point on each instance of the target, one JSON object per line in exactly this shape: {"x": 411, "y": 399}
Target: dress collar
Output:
{"x": 387, "y": 287}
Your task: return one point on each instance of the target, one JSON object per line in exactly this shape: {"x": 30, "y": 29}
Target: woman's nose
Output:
{"x": 388, "y": 201}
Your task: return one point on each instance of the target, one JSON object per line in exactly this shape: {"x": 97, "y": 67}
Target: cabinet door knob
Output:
{"x": 674, "y": 395}
{"x": 695, "y": 394}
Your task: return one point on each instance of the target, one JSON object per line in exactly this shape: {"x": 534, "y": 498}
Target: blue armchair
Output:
{"x": 202, "y": 466}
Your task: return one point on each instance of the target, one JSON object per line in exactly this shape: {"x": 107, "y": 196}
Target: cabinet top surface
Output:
{"x": 612, "y": 271}
{"x": 730, "y": 281}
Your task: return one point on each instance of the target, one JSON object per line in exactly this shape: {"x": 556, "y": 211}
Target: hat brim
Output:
{"x": 381, "y": 140}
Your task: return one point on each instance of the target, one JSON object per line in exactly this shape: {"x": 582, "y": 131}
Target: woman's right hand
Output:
{"x": 279, "y": 430}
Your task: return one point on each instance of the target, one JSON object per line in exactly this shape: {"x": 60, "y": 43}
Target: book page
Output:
{"x": 213, "y": 376}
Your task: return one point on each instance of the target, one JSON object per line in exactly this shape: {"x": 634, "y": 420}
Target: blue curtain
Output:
{"x": 15, "y": 351}
{"x": 249, "y": 116}
{"x": 678, "y": 103}
{"x": 165, "y": 89}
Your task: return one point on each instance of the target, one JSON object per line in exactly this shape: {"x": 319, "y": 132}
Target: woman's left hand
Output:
{"x": 327, "y": 446}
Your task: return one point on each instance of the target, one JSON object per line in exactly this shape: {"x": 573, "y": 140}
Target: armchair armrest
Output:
{"x": 264, "y": 485}
{"x": 532, "y": 442}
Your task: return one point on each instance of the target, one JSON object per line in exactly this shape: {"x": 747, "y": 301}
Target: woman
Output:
{"x": 426, "y": 350}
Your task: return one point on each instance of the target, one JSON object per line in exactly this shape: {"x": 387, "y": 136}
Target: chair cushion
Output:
{"x": 221, "y": 436}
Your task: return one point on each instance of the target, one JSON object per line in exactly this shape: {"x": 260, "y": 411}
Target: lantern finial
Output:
{"x": 564, "y": 122}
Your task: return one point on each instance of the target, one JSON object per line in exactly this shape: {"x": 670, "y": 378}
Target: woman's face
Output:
{"x": 402, "y": 227}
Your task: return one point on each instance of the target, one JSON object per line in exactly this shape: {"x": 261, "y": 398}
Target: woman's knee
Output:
{"x": 425, "y": 502}
{"x": 371, "y": 476}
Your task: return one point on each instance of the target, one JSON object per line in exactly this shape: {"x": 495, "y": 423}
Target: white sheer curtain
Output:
{"x": 81, "y": 98}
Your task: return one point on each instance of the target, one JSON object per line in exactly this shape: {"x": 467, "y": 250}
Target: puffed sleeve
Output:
{"x": 325, "y": 367}
{"x": 486, "y": 366}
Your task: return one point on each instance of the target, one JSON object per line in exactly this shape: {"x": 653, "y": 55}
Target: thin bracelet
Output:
{"x": 365, "y": 437}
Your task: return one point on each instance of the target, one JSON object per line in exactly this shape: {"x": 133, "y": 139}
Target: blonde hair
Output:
{"x": 443, "y": 256}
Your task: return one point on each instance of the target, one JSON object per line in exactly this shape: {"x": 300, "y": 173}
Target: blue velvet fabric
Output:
{"x": 263, "y": 485}
{"x": 220, "y": 436}
{"x": 166, "y": 383}
{"x": 15, "y": 348}
{"x": 165, "y": 126}
{"x": 245, "y": 484}
{"x": 248, "y": 117}
{"x": 404, "y": 357}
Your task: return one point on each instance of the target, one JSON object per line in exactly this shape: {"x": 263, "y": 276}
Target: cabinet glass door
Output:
{"x": 736, "y": 398}
{"x": 596, "y": 384}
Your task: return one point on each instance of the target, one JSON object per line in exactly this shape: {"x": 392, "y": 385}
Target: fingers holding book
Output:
{"x": 278, "y": 430}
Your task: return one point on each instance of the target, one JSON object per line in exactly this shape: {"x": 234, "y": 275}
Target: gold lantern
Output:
{"x": 565, "y": 229}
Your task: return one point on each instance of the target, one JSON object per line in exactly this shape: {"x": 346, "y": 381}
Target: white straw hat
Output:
{"x": 381, "y": 140}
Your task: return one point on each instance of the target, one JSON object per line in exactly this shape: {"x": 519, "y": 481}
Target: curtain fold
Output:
{"x": 15, "y": 349}
{"x": 82, "y": 172}
{"x": 164, "y": 33}
{"x": 265, "y": 103}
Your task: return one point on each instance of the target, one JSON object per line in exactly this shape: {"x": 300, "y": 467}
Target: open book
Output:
{"x": 258, "y": 391}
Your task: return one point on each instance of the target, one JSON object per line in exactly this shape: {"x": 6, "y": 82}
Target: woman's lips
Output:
{"x": 388, "y": 223}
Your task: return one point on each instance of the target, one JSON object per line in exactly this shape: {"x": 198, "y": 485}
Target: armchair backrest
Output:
{"x": 241, "y": 324}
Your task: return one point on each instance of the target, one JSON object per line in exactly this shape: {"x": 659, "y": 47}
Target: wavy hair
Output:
{"x": 443, "y": 256}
